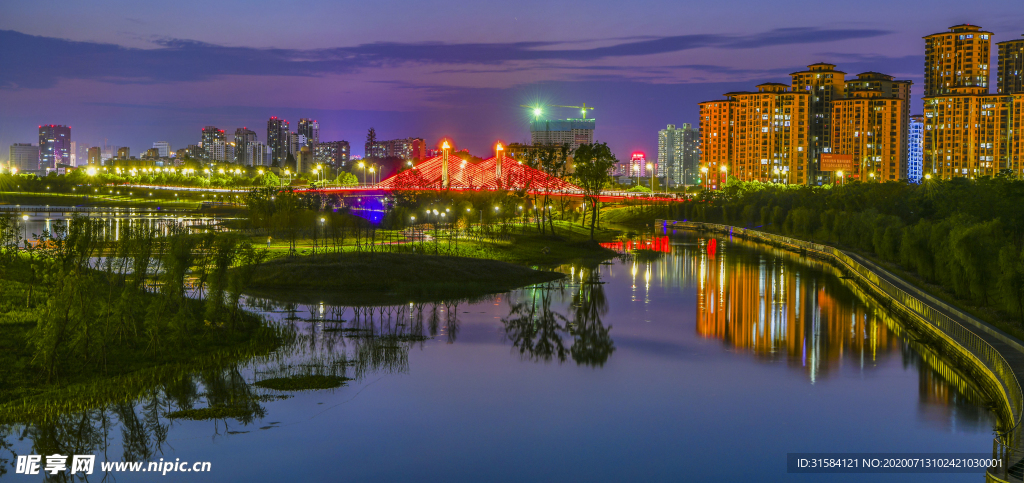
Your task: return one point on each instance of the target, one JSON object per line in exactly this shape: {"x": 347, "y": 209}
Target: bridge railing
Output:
{"x": 922, "y": 306}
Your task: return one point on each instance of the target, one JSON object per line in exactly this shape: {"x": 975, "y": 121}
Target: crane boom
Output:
{"x": 584, "y": 108}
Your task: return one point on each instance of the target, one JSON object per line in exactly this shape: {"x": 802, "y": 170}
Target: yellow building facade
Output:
{"x": 966, "y": 133}
{"x": 758, "y": 136}
{"x": 823, "y": 83}
{"x": 870, "y": 127}
{"x": 956, "y": 58}
{"x": 1010, "y": 72}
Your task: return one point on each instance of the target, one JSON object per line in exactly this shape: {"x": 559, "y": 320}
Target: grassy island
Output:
{"x": 363, "y": 278}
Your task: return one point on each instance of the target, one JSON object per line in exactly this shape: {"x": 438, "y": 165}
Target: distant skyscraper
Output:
{"x": 957, "y": 58}
{"x": 54, "y": 145}
{"x": 258, "y": 155}
{"x": 309, "y": 128}
{"x": 74, "y": 154}
{"x": 245, "y": 138}
{"x": 82, "y": 156}
{"x": 277, "y": 140}
{"x": 95, "y": 156}
{"x": 638, "y": 165}
{"x": 557, "y": 132}
{"x": 1010, "y": 74}
{"x": 216, "y": 151}
{"x": 195, "y": 151}
{"x": 408, "y": 148}
{"x": 333, "y": 153}
{"x": 915, "y": 154}
{"x": 124, "y": 152}
{"x": 25, "y": 157}
{"x": 679, "y": 155}
{"x": 211, "y": 136}
{"x": 164, "y": 148}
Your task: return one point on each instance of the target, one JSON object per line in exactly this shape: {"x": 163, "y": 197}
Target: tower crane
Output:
{"x": 582, "y": 108}
{"x": 538, "y": 109}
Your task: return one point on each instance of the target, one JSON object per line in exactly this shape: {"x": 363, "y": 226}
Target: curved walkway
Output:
{"x": 1000, "y": 354}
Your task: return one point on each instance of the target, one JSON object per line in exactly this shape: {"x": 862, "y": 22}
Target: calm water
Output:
{"x": 681, "y": 367}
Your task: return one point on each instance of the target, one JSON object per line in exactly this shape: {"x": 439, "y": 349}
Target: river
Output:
{"x": 674, "y": 365}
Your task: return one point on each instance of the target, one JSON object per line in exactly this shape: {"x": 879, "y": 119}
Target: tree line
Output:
{"x": 99, "y": 298}
{"x": 964, "y": 235}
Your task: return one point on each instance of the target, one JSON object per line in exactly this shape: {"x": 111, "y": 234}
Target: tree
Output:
{"x": 371, "y": 138}
{"x": 593, "y": 163}
{"x": 346, "y": 179}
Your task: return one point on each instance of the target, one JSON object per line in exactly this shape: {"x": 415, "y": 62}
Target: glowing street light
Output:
{"x": 704, "y": 170}
{"x": 840, "y": 173}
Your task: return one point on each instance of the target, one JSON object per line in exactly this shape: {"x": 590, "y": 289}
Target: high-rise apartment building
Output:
{"x": 309, "y": 128}
{"x": 124, "y": 152}
{"x": 966, "y": 133}
{"x": 212, "y": 136}
{"x": 763, "y": 135}
{"x": 74, "y": 154}
{"x": 890, "y": 88}
{"x": 164, "y": 148}
{"x": 915, "y": 147}
{"x": 408, "y": 148}
{"x": 1010, "y": 69}
{"x": 258, "y": 155}
{"x": 679, "y": 155}
{"x": 24, "y": 156}
{"x": 957, "y": 58}
{"x": 95, "y": 156}
{"x": 824, "y": 84}
{"x": 869, "y": 127}
{"x": 245, "y": 138}
{"x": 638, "y": 165}
{"x": 54, "y": 146}
{"x": 82, "y": 156}
{"x": 195, "y": 151}
{"x": 277, "y": 140}
{"x": 333, "y": 153}
{"x": 295, "y": 142}
{"x": 217, "y": 151}
{"x": 564, "y": 131}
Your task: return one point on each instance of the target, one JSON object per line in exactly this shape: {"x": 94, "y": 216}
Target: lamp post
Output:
{"x": 363, "y": 165}
{"x": 775, "y": 171}
{"x": 704, "y": 171}
{"x": 650, "y": 167}
{"x": 725, "y": 176}
{"x": 840, "y": 173}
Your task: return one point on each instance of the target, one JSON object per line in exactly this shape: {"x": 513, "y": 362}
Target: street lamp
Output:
{"x": 363, "y": 165}
{"x": 725, "y": 175}
{"x": 840, "y": 173}
{"x": 650, "y": 167}
{"x": 704, "y": 170}
{"x": 372, "y": 179}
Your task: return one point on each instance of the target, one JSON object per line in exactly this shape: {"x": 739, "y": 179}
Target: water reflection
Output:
{"x": 764, "y": 304}
{"x": 540, "y": 332}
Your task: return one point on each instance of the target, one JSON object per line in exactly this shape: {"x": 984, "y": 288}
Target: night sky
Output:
{"x": 132, "y": 73}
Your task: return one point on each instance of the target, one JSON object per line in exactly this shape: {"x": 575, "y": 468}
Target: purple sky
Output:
{"x": 138, "y": 72}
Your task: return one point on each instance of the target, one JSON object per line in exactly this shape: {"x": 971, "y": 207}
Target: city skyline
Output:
{"x": 137, "y": 79}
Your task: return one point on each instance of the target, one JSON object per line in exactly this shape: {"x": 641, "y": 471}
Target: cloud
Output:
{"x": 39, "y": 62}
